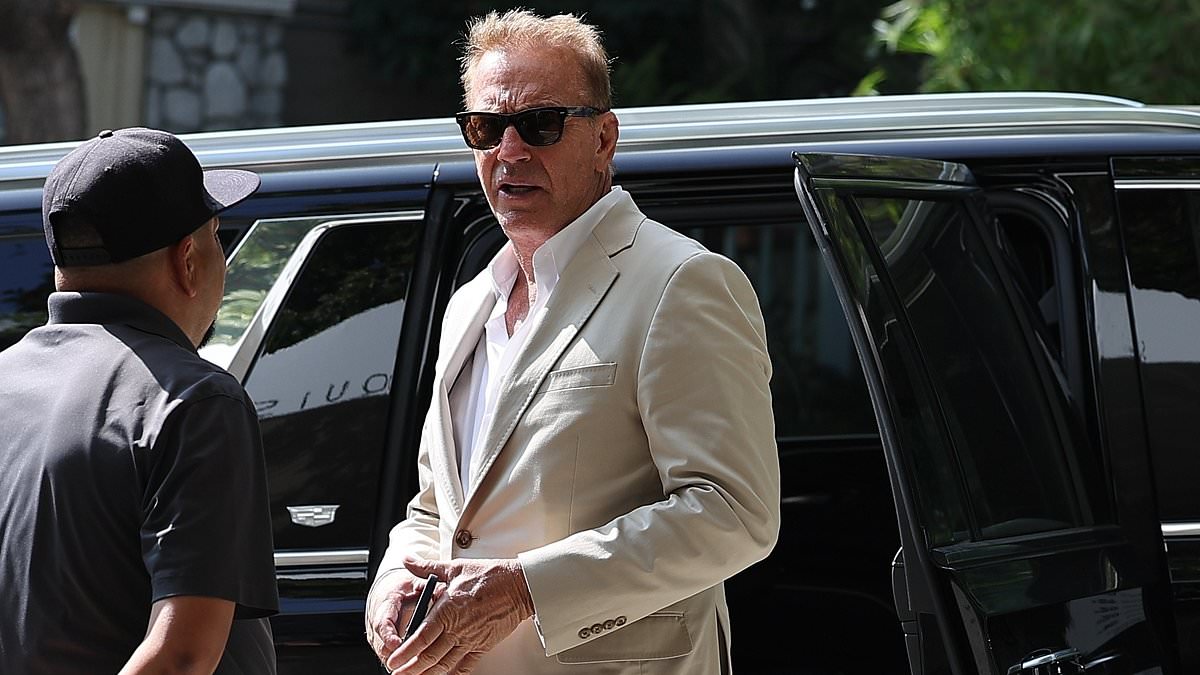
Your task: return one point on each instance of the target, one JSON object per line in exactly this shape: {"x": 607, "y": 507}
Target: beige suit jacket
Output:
{"x": 631, "y": 466}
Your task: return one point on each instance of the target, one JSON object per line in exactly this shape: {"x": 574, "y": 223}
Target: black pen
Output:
{"x": 422, "y": 607}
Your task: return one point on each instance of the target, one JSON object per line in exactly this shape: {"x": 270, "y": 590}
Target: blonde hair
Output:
{"x": 522, "y": 29}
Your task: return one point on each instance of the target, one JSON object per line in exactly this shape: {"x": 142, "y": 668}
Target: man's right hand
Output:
{"x": 389, "y": 607}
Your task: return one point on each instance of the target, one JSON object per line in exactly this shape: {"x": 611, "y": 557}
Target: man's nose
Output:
{"x": 512, "y": 147}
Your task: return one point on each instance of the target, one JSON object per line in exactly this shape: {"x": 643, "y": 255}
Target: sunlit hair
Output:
{"x": 522, "y": 29}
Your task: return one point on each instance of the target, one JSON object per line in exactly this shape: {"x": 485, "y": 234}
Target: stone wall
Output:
{"x": 208, "y": 71}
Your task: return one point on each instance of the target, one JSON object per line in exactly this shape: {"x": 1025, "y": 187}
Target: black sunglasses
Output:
{"x": 536, "y": 126}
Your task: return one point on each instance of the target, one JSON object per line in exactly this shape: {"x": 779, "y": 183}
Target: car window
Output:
{"x": 26, "y": 278}
{"x": 817, "y": 386}
{"x": 321, "y": 382}
{"x": 1161, "y": 230}
{"x": 253, "y": 269}
{"x": 1016, "y": 446}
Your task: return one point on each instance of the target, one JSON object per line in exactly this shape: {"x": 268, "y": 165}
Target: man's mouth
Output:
{"x": 516, "y": 189}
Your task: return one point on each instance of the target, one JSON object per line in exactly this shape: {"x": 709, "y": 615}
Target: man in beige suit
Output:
{"x": 599, "y": 453}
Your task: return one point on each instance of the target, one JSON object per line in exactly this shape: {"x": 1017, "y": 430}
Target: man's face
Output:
{"x": 540, "y": 188}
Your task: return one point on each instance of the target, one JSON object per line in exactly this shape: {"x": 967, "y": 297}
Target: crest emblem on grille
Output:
{"x": 313, "y": 515}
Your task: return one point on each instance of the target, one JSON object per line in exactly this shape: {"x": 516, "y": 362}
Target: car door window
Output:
{"x": 1017, "y": 459}
{"x": 321, "y": 382}
{"x": 1161, "y": 230}
{"x": 26, "y": 278}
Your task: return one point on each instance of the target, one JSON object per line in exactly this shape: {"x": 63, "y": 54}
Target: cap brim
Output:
{"x": 229, "y": 186}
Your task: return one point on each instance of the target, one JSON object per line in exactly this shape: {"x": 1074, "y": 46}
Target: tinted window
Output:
{"x": 321, "y": 381}
{"x": 1015, "y": 444}
{"x": 1162, "y": 235}
{"x": 26, "y": 278}
{"x": 817, "y": 385}
{"x": 252, "y": 271}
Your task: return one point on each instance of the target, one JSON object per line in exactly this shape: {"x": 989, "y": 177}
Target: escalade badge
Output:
{"x": 314, "y": 515}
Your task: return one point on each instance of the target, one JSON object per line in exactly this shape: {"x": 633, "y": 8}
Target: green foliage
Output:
{"x": 257, "y": 266}
{"x": 1132, "y": 48}
{"x": 668, "y": 51}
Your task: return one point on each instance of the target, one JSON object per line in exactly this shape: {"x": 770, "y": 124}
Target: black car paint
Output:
{"x": 826, "y": 593}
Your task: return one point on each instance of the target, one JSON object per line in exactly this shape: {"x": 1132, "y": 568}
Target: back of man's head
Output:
{"x": 127, "y": 193}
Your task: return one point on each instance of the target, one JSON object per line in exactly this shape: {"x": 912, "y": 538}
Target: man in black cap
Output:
{"x": 133, "y": 505}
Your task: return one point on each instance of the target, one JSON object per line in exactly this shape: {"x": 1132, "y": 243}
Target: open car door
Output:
{"x": 1013, "y": 559}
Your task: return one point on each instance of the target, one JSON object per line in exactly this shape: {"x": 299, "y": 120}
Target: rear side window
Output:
{"x": 321, "y": 383}
{"x": 817, "y": 386}
{"x": 1162, "y": 236}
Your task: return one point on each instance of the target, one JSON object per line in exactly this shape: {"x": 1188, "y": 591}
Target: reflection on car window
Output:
{"x": 1162, "y": 236}
{"x": 1014, "y": 441}
{"x": 252, "y": 271}
{"x": 322, "y": 379}
{"x": 817, "y": 386}
{"x": 26, "y": 278}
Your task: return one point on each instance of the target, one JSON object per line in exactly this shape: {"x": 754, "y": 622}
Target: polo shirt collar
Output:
{"x": 70, "y": 307}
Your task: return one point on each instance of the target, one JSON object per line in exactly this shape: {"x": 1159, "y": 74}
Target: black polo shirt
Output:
{"x": 131, "y": 470}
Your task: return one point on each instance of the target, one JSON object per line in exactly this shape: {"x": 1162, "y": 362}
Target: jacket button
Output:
{"x": 609, "y": 624}
{"x": 584, "y": 633}
{"x": 464, "y": 538}
{"x": 620, "y": 621}
{"x": 597, "y": 628}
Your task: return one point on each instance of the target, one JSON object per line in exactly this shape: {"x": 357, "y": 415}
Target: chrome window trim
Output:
{"x": 1174, "y": 530}
{"x": 247, "y": 346}
{"x": 1157, "y": 184}
{"x": 290, "y": 559}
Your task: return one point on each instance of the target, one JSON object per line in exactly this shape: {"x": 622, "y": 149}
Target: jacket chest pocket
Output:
{"x": 580, "y": 377}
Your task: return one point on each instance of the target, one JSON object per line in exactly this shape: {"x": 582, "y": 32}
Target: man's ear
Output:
{"x": 182, "y": 258}
{"x": 609, "y": 132}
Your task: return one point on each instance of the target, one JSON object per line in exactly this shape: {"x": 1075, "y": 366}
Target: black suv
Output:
{"x": 982, "y": 401}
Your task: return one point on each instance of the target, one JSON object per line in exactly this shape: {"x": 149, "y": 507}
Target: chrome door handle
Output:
{"x": 1046, "y": 662}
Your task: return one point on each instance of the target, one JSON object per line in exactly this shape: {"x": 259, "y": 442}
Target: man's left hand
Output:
{"x": 483, "y": 602}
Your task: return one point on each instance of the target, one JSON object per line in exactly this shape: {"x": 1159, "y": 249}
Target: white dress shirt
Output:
{"x": 473, "y": 395}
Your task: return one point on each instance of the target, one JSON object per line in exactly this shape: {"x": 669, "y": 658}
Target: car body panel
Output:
{"x": 722, "y": 174}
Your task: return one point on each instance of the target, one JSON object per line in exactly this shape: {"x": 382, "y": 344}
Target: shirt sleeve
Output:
{"x": 206, "y": 529}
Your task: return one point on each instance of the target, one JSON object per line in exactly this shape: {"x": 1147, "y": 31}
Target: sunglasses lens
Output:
{"x": 482, "y": 131}
{"x": 540, "y": 127}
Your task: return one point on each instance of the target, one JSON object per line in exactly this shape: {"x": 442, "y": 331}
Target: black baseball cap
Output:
{"x": 128, "y": 192}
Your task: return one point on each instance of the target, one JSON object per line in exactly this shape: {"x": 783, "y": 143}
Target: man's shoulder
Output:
{"x": 180, "y": 373}
{"x": 659, "y": 252}
{"x": 654, "y": 238}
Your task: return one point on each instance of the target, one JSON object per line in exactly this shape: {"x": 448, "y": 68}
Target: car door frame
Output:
{"x": 919, "y": 583}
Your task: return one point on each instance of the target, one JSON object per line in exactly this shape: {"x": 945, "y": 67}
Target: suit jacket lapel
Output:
{"x": 581, "y": 287}
{"x": 463, "y": 335}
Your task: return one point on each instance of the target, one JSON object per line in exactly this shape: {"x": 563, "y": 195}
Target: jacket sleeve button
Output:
{"x": 609, "y": 624}
{"x": 620, "y": 621}
{"x": 584, "y": 633}
{"x": 464, "y": 538}
{"x": 597, "y": 628}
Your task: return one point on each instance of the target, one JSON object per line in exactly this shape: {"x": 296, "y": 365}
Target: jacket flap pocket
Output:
{"x": 598, "y": 375}
{"x": 654, "y": 637}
